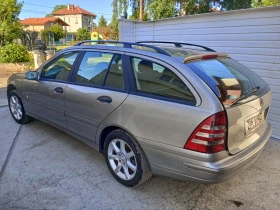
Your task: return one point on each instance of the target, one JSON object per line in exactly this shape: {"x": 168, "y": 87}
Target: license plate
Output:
{"x": 254, "y": 122}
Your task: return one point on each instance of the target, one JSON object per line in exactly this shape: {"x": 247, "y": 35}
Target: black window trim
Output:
{"x": 72, "y": 79}
{"x": 133, "y": 88}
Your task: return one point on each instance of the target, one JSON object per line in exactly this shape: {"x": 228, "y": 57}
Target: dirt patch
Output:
{"x": 7, "y": 69}
{"x": 3, "y": 82}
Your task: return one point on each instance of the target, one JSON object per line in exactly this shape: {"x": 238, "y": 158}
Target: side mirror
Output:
{"x": 31, "y": 75}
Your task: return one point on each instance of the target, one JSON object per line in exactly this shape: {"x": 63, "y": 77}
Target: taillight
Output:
{"x": 211, "y": 56}
{"x": 210, "y": 135}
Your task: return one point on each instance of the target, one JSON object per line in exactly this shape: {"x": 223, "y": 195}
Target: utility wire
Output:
{"x": 33, "y": 11}
{"x": 38, "y": 5}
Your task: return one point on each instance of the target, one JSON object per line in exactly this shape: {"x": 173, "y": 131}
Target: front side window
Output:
{"x": 156, "y": 79}
{"x": 59, "y": 68}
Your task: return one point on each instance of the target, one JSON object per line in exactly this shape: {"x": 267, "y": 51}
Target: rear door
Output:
{"x": 97, "y": 88}
{"x": 245, "y": 96}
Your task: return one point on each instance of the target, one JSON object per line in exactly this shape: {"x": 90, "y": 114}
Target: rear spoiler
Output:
{"x": 207, "y": 56}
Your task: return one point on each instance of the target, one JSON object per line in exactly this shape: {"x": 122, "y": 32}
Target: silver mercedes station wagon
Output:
{"x": 167, "y": 108}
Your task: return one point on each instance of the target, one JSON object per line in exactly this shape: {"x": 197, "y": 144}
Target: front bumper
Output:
{"x": 177, "y": 166}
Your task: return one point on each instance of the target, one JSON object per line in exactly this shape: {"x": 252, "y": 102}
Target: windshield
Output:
{"x": 230, "y": 80}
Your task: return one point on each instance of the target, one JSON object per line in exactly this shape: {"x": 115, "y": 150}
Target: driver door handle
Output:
{"x": 104, "y": 99}
{"x": 58, "y": 90}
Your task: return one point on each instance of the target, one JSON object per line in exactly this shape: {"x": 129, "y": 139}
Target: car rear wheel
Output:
{"x": 17, "y": 109}
{"x": 125, "y": 159}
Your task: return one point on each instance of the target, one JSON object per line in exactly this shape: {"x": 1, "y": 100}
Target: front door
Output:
{"x": 97, "y": 89}
{"x": 45, "y": 97}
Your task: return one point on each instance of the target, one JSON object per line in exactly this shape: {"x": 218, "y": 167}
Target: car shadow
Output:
{"x": 3, "y": 93}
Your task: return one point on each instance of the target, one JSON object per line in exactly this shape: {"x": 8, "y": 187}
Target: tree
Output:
{"x": 120, "y": 8}
{"x": 157, "y": 9}
{"x": 10, "y": 28}
{"x": 102, "y": 22}
{"x": 135, "y": 9}
{"x": 45, "y": 35}
{"x": 83, "y": 34}
{"x": 57, "y": 8}
{"x": 265, "y": 3}
{"x": 57, "y": 31}
{"x": 161, "y": 9}
{"x": 235, "y": 4}
{"x": 114, "y": 23}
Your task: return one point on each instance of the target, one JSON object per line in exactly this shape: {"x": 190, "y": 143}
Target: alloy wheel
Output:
{"x": 122, "y": 159}
{"x": 16, "y": 107}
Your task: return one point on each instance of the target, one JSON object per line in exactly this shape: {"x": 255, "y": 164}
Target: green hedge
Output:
{"x": 13, "y": 53}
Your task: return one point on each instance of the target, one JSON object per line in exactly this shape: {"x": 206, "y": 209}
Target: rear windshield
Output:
{"x": 232, "y": 82}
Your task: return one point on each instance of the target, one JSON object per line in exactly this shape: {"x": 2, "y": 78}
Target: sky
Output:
{"x": 35, "y": 8}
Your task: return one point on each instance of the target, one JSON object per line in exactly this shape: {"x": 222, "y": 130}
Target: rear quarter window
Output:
{"x": 157, "y": 80}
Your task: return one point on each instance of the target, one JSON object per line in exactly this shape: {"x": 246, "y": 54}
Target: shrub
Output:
{"x": 83, "y": 34}
{"x": 13, "y": 53}
{"x": 31, "y": 57}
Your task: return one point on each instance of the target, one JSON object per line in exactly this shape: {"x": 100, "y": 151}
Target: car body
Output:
{"x": 189, "y": 114}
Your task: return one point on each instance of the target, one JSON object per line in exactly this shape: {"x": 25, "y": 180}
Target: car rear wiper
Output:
{"x": 255, "y": 89}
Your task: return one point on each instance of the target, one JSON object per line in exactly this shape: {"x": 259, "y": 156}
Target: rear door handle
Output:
{"x": 104, "y": 99}
{"x": 58, "y": 90}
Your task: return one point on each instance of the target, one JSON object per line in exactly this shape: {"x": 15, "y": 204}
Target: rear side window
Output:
{"x": 115, "y": 77}
{"x": 155, "y": 79}
{"x": 101, "y": 69}
{"x": 93, "y": 68}
{"x": 233, "y": 80}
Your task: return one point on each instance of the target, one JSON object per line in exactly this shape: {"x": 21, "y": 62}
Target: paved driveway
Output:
{"x": 44, "y": 168}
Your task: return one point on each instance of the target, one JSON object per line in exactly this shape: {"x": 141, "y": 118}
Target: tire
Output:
{"x": 17, "y": 109}
{"x": 125, "y": 159}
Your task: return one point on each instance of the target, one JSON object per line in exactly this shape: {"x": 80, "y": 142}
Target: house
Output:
{"x": 39, "y": 24}
{"x": 76, "y": 18}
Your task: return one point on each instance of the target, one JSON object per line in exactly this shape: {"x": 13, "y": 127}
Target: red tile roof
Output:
{"x": 42, "y": 21}
{"x": 72, "y": 10}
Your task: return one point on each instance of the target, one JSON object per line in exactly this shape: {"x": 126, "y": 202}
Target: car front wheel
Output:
{"x": 125, "y": 159}
{"x": 17, "y": 109}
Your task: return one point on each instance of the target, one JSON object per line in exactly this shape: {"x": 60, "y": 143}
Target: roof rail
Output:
{"x": 178, "y": 44}
{"x": 126, "y": 45}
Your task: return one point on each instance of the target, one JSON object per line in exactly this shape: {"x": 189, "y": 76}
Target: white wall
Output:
{"x": 76, "y": 21}
{"x": 251, "y": 36}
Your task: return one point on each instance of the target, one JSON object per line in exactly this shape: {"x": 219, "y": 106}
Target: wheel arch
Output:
{"x": 109, "y": 129}
{"x": 10, "y": 88}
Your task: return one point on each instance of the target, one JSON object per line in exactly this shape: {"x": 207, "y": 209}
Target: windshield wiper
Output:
{"x": 255, "y": 89}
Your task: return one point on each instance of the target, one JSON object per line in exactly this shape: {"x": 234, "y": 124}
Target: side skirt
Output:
{"x": 80, "y": 138}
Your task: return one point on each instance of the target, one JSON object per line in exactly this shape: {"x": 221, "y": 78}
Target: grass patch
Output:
{"x": 61, "y": 47}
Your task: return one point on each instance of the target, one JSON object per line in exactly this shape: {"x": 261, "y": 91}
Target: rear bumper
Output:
{"x": 181, "y": 167}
